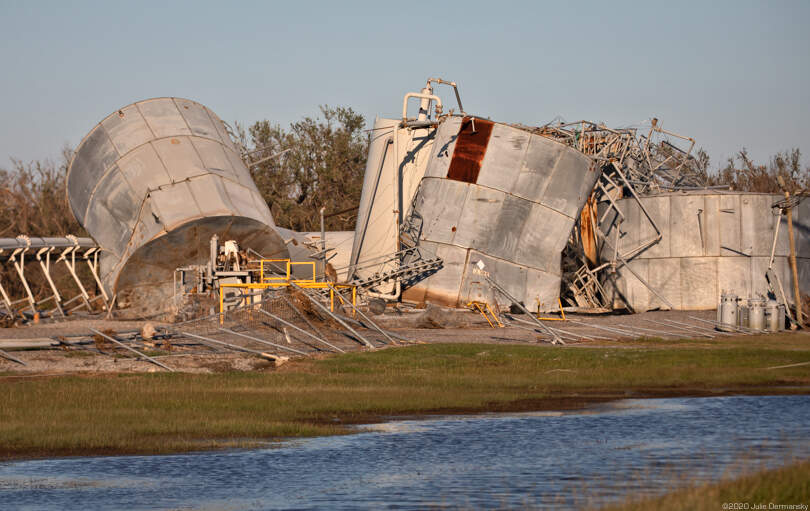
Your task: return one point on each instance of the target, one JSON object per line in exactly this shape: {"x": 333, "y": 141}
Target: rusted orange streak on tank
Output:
{"x": 586, "y": 230}
{"x": 471, "y": 146}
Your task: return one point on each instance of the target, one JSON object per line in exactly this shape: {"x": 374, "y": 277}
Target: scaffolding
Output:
{"x": 48, "y": 253}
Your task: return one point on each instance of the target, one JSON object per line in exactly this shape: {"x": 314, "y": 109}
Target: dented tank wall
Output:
{"x": 152, "y": 182}
{"x": 711, "y": 242}
{"x": 503, "y": 196}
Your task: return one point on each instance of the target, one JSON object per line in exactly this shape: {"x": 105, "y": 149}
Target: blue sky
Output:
{"x": 730, "y": 74}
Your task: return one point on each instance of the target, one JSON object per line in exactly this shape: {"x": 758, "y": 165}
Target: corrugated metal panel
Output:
{"x": 163, "y": 175}
{"x": 516, "y": 218}
{"x": 712, "y": 242}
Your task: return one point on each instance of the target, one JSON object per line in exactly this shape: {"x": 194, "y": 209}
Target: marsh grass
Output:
{"x": 160, "y": 412}
{"x": 789, "y": 485}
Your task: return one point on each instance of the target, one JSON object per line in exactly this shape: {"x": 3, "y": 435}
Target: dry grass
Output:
{"x": 150, "y": 413}
{"x": 783, "y": 486}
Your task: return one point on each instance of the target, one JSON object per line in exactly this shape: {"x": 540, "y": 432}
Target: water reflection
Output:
{"x": 557, "y": 459}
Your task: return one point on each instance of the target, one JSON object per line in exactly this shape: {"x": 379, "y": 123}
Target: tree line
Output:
{"x": 317, "y": 162}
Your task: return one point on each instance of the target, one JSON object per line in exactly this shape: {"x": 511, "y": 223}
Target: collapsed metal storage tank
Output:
{"x": 152, "y": 183}
{"x": 711, "y": 242}
{"x": 503, "y": 196}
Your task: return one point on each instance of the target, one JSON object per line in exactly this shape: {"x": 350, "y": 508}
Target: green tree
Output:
{"x": 319, "y": 163}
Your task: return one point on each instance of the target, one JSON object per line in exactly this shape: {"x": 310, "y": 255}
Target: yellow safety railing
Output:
{"x": 485, "y": 311}
{"x": 285, "y": 264}
{"x": 285, "y": 281}
{"x": 301, "y": 263}
{"x": 562, "y": 313}
{"x": 340, "y": 296}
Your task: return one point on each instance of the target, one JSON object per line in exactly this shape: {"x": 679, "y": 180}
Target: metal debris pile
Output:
{"x": 286, "y": 323}
{"x": 653, "y": 162}
{"x": 631, "y": 164}
{"x": 291, "y": 320}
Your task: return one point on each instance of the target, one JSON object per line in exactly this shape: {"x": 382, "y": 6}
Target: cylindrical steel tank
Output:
{"x": 756, "y": 313}
{"x": 710, "y": 241}
{"x": 727, "y": 311}
{"x": 504, "y": 197}
{"x": 152, "y": 183}
{"x": 774, "y": 316}
{"x": 397, "y": 158}
{"x": 742, "y": 315}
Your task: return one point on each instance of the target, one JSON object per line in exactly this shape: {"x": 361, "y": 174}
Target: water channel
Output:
{"x": 542, "y": 460}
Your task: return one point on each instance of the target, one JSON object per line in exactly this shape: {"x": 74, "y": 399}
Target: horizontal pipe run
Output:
{"x": 534, "y": 330}
{"x": 234, "y": 347}
{"x": 362, "y": 314}
{"x": 273, "y": 316}
{"x": 712, "y": 333}
{"x": 665, "y": 333}
{"x": 681, "y": 328}
{"x": 9, "y": 357}
{"x": 607, "y": 329}
{"x": 133, "y": 350}
{"x": 334, "y": 316}
{"x": 742, "y": 330}
{"x": 278, "y": 346}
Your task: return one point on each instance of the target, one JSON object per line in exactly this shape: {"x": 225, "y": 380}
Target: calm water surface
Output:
{"x": 483, "y": 461}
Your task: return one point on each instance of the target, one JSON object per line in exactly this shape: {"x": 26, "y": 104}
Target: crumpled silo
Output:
{"x": 711, "y": 241}
{"x": 152, "y": 183}
{"x": 502, "y": 196}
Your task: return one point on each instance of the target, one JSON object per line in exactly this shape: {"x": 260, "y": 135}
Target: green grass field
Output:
{"x": 160, "y": 412}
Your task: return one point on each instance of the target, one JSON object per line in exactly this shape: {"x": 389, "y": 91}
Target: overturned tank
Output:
{"x": 151, "y": 183}
{"x": 709, "y": 242}
{"x": 498, "y": 201}
{"x": 486, "y": 199}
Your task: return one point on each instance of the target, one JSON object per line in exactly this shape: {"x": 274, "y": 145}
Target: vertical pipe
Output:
{"x": 323, "y": 237}
{"x": 397, "y": 166}
{"x": 94, "y": 270}
{"x": 796, "y": 293}
{"x": 213, "y": 252}
{"x": 221, "y": 306}
{"x": 20, "y": 267}
{"x": 71, "y": 266}
{"x": 775, "y": 237}
{"x": 6, "y": 300}
{"x": 424, "y": 105}
{"x": 46, "y": 269}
